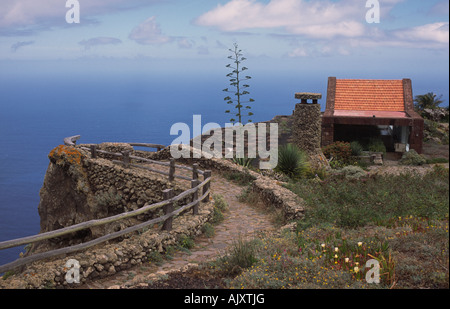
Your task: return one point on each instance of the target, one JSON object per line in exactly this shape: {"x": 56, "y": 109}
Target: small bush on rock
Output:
{"x": 412, "y": 158}
{"x": 353, "y": 172}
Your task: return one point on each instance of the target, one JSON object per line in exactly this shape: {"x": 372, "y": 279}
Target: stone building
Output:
{"x": 354, "y": 107}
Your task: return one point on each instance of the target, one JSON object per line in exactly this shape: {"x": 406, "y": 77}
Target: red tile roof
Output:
{"x": 369, "y": 95}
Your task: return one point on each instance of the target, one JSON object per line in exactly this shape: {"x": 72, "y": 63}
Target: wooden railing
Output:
{"x": 126, "y": 162}
{"x": 168, "y": 206}
{"x": 71, "y": 140}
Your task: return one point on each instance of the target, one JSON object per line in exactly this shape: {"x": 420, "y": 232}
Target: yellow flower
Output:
{"x": 356, "y": 269}
{"x": 360, "y": 244}
{"x": 335, "y": 256}
{"x": 322, "y": 245}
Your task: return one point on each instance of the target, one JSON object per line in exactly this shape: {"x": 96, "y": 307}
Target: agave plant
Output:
{"x": 292, "y": 161}
{"x": 245, "y": 162}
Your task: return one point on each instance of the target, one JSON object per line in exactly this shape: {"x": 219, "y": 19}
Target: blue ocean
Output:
{"x": 38, "y": 110}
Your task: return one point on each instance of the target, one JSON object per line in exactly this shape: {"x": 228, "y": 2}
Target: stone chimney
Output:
{"x": 307, "y": 127}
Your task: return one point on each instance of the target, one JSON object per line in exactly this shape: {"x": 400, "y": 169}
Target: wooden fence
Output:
{"x": 168, "y": 206}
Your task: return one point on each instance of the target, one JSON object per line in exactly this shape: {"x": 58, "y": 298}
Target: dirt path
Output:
{"x": 240, "y": 220}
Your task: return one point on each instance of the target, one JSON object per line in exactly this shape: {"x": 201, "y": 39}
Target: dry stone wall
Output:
{"x": 269, "y": 190}
{"x": 106, "y": 260}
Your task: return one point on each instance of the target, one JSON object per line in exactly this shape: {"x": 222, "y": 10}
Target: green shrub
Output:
{"x": 376, "y": 145}
{"x": 208, "y": 230}
{"x": 351, "y": 218}
{"x": 245, "y": 162}
{"x": 248, "y": 196}
{"x": 243, "y": 178}
{"x": 292, "y": 161}
{"x": 353, "y": 172}
{"x": 242, "y": 254}
{"x": 437, "y": 160}
{"x": 217, "y": 216}
{"x": 357, "y": 148}
{"x": 412, "y": 158}
{"x": 155, "y": 257}
{"x": 340, "y": 152}
{"x": 220, "y": 203}
{"x": 187, "y": 242}
{"x": 320, "y": 172}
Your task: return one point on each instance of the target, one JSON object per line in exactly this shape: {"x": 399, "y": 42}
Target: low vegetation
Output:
{"x": 292, "y": 161}
{"x": 400, "y": 221}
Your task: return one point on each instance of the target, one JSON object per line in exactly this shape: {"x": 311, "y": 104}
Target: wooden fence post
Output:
{"x": 167, "y": 195}
{"x": 206, "y": 175}
{"x": 195, "y": 171}
{"x": 126, "y": 158}
{"x": 93, "y": 151}
{"x": 194, "y": 184}
{"x": 172, "y": 170}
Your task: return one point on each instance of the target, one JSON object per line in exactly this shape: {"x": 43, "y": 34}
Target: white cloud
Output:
{"x": 185, "y": 43}
{"x": 149, "y": 32}
{"x": 27, "y": 16}
{"x": 328, "y": 26}
{"x": 344, "y": 28}
{"x": 323, "y": 19}
{"x": 99, "y": 41}
{"x": 435, "y": 32}
{"x": 299, "y": 52}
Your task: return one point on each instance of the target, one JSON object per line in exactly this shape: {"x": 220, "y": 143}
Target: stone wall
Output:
{"x": 105, "y": 260}
{"x": 269, "y": 190}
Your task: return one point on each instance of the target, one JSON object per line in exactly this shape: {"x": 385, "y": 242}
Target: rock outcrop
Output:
{"x": 78, "y": 188}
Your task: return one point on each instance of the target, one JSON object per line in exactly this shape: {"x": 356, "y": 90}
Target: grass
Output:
{"x": 242, "y": 179}
{"x": 351, "y": 203}
{"x": 401, "y": 222}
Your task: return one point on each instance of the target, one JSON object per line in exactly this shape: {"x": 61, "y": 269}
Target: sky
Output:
{"x": 344, "y": 38}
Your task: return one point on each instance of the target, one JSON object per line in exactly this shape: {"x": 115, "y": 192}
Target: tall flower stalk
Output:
{"x": 239, "y": 88}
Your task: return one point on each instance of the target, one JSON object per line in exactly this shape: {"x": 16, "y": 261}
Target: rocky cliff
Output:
{"x": 78, "y": 188}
